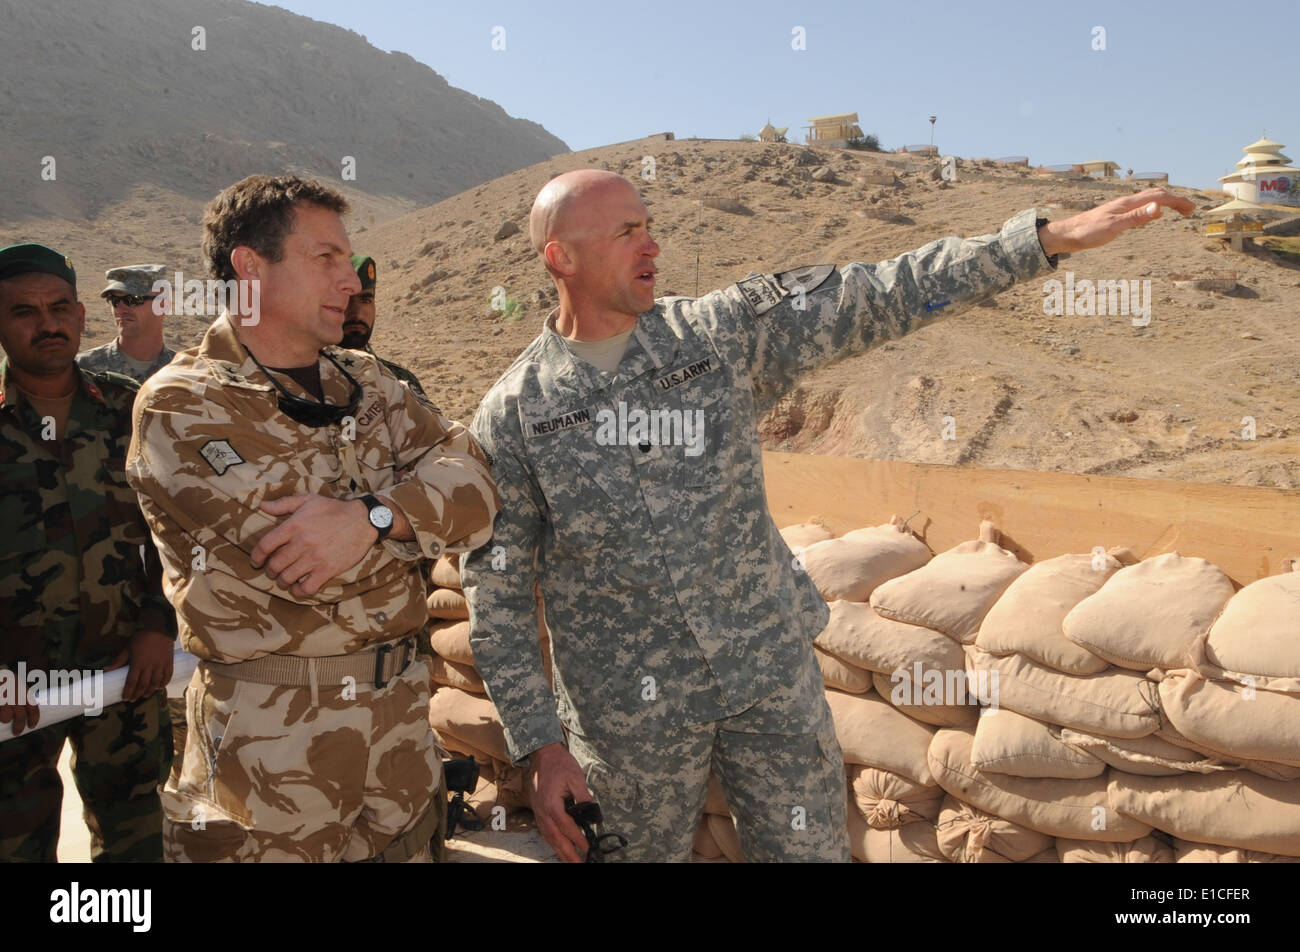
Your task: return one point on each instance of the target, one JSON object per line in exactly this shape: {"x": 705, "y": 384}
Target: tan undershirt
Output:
{"x": 604, "y": 354}
{"x": 57, "y": 407}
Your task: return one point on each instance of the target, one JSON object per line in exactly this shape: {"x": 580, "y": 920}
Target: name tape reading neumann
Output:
{"x": 77, "y": 697}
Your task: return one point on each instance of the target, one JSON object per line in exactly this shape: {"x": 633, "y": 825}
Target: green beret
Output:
{"x": 364, "y": 265}
{"x": 35, "y": 259}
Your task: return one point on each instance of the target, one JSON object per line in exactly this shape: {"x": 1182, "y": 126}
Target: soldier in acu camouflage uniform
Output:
{"x": 137, "y": 351}
{"x": 74, "y": 594}
{"x": 681, "y": 631}
{"x": 359, "y": 323}
{"x": 292, "y": 488}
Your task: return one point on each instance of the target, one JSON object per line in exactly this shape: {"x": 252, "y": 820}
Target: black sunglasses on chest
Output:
{"x": 314, "y": 413}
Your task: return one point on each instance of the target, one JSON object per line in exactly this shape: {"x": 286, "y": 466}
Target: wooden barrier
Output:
{"x": 1245, "y": 531}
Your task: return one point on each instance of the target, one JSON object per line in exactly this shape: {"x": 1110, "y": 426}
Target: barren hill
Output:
{"x": 117, "y": 94}
{"x": 1022, "y": 389}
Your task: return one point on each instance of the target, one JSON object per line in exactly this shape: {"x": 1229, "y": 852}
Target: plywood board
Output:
{"x": 1246, "y": 531}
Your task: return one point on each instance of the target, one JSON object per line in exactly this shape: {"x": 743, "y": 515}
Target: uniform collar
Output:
{"x": 233, "y": 366}
{"x": 10, "y": 397}
{"x": 652, "y": 346}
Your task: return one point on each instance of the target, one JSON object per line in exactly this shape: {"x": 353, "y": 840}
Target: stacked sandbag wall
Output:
{"x": 1087, "y": 708}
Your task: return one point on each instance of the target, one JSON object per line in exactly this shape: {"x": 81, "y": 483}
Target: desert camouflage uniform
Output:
{"x": 674, "y": 605}
{"x": 275, "y": 772}
{"x": 73, "y": 589}
{"x": 110, "y": 357}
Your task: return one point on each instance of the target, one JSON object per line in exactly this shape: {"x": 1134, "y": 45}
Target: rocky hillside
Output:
{"x": 1022, "y": 388}
{"x": 116, "y": 92}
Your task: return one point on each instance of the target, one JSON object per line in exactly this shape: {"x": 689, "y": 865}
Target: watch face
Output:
{"x": 381, "y": 517}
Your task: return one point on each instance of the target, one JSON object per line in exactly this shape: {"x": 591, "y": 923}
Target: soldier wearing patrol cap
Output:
{"x": 138, "y": 350}
{"x": 74, "y": 595}
{"x": 293, "y": 488}
{"x": 359, "y": 323}
{"x": 681, "y": 633}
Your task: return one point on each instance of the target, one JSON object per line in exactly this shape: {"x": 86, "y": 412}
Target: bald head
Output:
{"x": 567, "y": 206}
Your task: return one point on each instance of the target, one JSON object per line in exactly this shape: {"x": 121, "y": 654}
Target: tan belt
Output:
{"x": 376, "y": 666}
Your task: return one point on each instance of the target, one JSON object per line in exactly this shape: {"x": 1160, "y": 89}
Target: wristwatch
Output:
{"x": 380, "y": 516}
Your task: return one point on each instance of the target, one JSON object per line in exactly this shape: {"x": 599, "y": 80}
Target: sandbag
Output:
{"x": 872, "y": 733}
{"x": 458, "y": 747}
{"x": 450, "y": 639}
{"x": 954, "y": 591}
{"x": 966, "y": 834}
{"x": 446, "y": 572}
{"x": 804, "y": 534}
{"x": 1238, "y": 809}
{"x": 723, "y": 831}
{"x": 469, "y": 718}
{"x": 852, "y": 566}
{"x": 900, "y": 689}
{"x": 1027, "y": 618}
{"x": 1011, "y": 743}
{"x": 1115, "y": 702}
{"x": 1233, "y": 720}
{"x": 1168, "y": 732}
{"x": 461, "y": 676}
{"x": 1255, "y": 640}
{"x": 887, "y": 800}
{"x": 857, "y": 634}
{"x": 1148, "y": 615}
{"x": 841, "y": 675}
{"x": 1150, "y": 756}
{"x": 447, "y": 603}
{"x": 1148, "y": 849}
{"x": 913, "y": 843}
{"x": 1076, "y": 809}
{"x": 1185, "y": 852}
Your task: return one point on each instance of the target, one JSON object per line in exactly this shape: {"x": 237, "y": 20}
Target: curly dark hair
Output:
{"x": 258, "y": 212}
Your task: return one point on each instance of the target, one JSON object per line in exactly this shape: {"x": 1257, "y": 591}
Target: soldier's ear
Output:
{"x": 246, "y": 262}
{"x": 558, "y": 258}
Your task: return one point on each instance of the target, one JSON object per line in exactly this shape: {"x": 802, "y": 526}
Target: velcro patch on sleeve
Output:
{"x": 220, "y": 455}
{"x": 761, "y": 291}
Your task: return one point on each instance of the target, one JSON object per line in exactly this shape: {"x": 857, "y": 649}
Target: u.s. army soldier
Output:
{"x": 74, "y": 592}
{"x": 625, "y": 448}
{"x": 138, "y": 350}
{"x": 293, "y": 487}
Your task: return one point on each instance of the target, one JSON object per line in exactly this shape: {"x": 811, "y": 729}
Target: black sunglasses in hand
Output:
{"x": 587, "y": 816}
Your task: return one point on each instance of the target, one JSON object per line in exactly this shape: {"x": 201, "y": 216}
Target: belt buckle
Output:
{"x": 381, "y": 654}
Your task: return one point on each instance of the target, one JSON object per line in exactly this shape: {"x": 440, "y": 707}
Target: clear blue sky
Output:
{"x": 1003, "y": 77}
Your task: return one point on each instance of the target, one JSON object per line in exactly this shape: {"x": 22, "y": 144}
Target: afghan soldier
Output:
{"x": 359, "y": 323}
{"x": 681, "y": 633}
{"x": 74, "y": 593}
{"x": 293, "y": 487}
{"x": 138, "y": 350}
